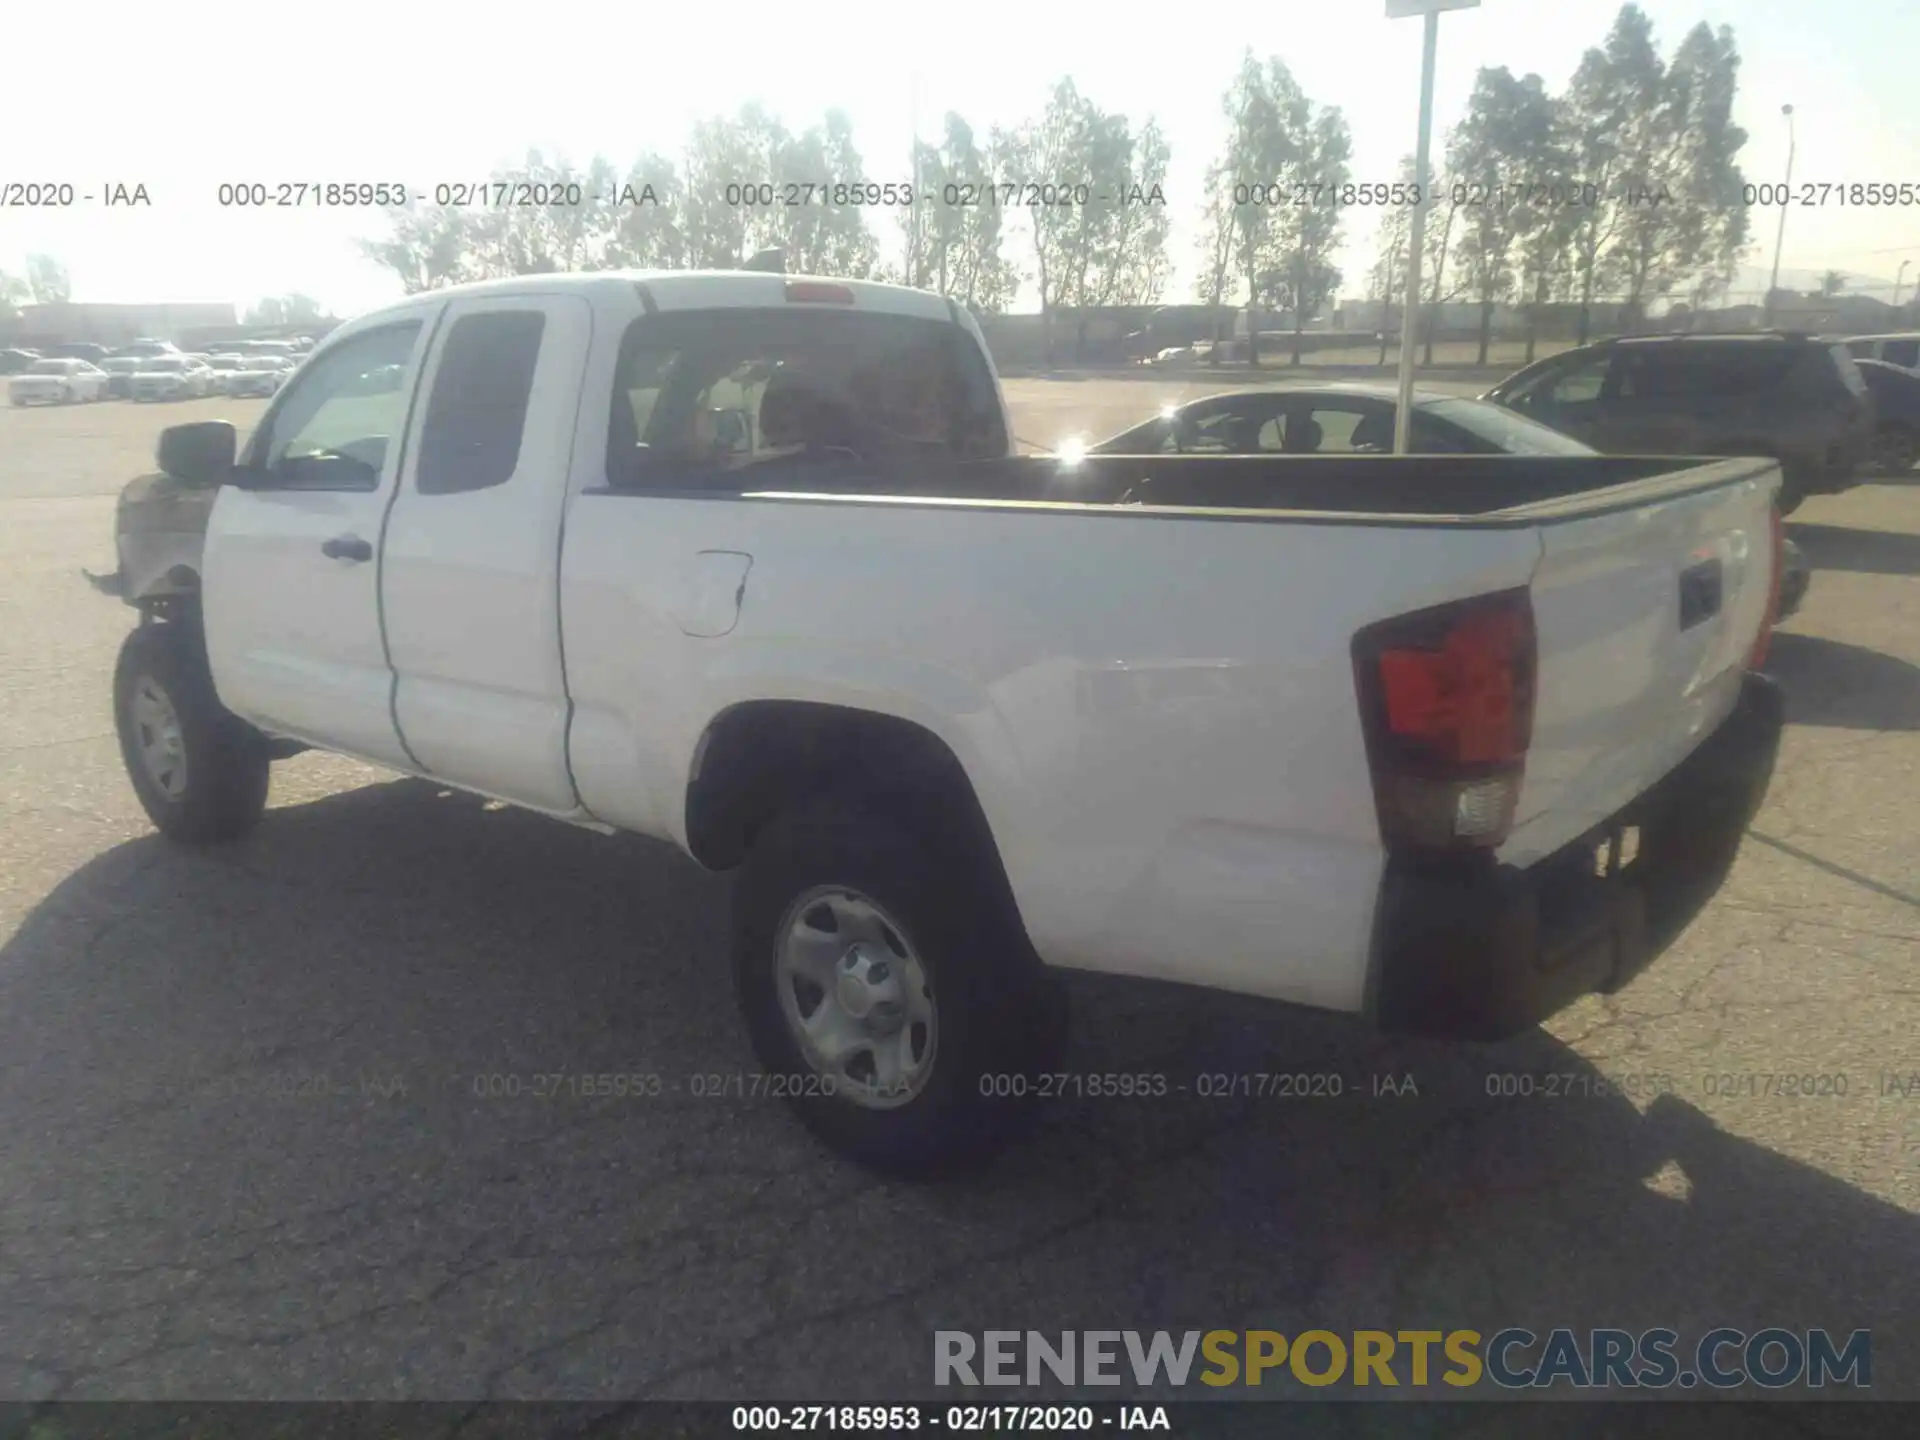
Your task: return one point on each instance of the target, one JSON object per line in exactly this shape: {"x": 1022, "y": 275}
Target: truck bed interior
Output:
{"x": 1439, "y": 487}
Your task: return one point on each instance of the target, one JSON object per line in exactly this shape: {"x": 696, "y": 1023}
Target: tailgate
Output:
{"x": 1645, "y": 617}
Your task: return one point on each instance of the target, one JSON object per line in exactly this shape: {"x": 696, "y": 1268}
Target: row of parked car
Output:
{"x": 147, "y": 370}
{"x": 1828, "y": 410}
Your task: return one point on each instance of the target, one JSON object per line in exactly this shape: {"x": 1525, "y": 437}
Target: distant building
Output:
{"x": 69, "y": 323}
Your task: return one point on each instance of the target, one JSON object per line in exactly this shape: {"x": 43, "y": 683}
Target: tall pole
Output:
{"x": 1410, "y": 312}
{"x": 1780, "y": 235}
{"x": 913, "y": 222}
{"x": 1898, "y": 281}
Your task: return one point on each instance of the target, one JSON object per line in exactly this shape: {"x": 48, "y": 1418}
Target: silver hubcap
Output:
{"x": 856, "y": 998}
{"x": 156, "y": 729}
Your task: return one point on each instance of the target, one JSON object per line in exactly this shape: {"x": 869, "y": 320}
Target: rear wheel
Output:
{"x": 1895, "y": 450}
{"x": 200, "y": 772}
{"x": 891, "y": 1002}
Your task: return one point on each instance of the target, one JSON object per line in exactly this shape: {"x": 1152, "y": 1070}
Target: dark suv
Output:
{"x": 1789, "y": 396}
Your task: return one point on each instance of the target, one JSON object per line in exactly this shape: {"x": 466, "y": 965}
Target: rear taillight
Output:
{"x": 1778, "y": 525}
{"x": 1446, "y": 699}
{"x": 818, "y": 292}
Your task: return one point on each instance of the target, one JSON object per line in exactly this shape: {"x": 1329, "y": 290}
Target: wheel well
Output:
{"x": 761, "y": 757}
{"x": 174, "y": 600}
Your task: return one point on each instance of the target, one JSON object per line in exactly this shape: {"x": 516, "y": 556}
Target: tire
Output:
{"x": 996, "y": 1020}
{"x": 1895, "y": 449}
{"x": 223, "y": 791}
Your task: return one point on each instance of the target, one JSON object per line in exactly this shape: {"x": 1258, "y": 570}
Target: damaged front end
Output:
{"x": 160, "y": 529}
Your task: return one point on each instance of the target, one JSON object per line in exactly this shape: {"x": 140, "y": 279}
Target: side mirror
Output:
{"x": 200, "y": 453}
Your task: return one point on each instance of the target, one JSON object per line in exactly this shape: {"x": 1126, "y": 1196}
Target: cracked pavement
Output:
{"x": 248, "y": 1148}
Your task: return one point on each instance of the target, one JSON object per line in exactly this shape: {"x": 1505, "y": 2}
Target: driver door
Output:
{"x": 292, "y": 560}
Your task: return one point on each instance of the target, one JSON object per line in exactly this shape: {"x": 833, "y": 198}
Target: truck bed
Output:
{"x": 1482, "y": 489}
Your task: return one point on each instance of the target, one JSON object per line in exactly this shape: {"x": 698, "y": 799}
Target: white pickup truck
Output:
{"x": 746, "y": 562}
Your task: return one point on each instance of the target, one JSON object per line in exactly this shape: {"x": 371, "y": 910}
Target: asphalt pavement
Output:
{"x": 327, "y": 1114}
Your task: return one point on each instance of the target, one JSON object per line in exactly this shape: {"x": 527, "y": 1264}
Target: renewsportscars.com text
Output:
{"x": 1513, "y": 1358}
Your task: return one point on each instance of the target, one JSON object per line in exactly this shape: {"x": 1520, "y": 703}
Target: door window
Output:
{"x": 1902, "y": 352}
{"x": 1578, "y": 385}
{"x": 477, "y": 413}
{"x": 331, "y": 428}
{"x": 1343, "y": 428}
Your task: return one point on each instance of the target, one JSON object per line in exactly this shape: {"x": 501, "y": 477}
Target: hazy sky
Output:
{"x": 183, "y": 98}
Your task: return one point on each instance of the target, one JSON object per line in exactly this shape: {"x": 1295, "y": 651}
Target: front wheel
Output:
{"x": 199, "y": 771}
{"x": 890, "y": 999}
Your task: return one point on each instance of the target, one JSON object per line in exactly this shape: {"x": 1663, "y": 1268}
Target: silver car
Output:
{"x": 172, "y": 377}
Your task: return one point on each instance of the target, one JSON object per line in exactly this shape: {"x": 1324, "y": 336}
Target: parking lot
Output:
{"x": 266, "y": 1128}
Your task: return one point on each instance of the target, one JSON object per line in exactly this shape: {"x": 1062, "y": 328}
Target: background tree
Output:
{"x": 1116, "y": 250}
{"x": 48, "y": 281}
{"x": 1218, "y": 241}
{"x": 1267, "y": 116}
{"x": 1831, "y": 284}
{"x": 1387, "y": 276}
{"x": 1504, "y": 141}
{"x": 1306, "y": 237}
{"x": 292, "y": 309}
{"x": 1440, "y": 279}
{"x": 14, "y": 292}
{"x": 647, "y": 232}
{"x": 1714, "y": 225}
{"x": 1681, "y": 219}
{"x": 1607, "y": 123}
{"x": 1061, "y": 142}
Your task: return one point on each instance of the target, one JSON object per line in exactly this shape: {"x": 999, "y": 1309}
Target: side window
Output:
{"x": 1338, "y": 430}
{"x": 331, "y": 428}
{"x": 1428, "y": 436}
{"x": 1861, "y": 349}
{"x": 470, "y": 439}
{"x": 1902, "y": 352}
{"x": 1578, "y": 385}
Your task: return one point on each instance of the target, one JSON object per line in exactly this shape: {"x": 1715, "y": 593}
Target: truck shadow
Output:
{"x": 1847, "y": 687}
{"x": 1869, "y": 552}
{"x": 693, "y": 1246}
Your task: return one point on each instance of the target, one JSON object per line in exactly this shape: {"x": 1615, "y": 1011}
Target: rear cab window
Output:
{"x": 730, "y": 399}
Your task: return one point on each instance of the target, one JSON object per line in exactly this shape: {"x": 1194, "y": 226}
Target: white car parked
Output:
{"x": 173, "y": 377}
{"x": 225, "y": 368}
{"x": 260, "y": 375}
{"x": 57, "y": 382}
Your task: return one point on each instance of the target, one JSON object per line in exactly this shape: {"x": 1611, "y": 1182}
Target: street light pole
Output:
{"x": 1899, "y": 279}
{"x": 1416, "y": 244}
{"x": 1780, "y": 235}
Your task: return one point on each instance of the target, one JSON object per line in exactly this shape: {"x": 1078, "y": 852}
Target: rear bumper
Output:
{"x": 1485, "y": 952}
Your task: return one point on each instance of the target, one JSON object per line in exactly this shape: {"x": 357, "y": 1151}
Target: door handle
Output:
{"x": 346, "y": 547}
